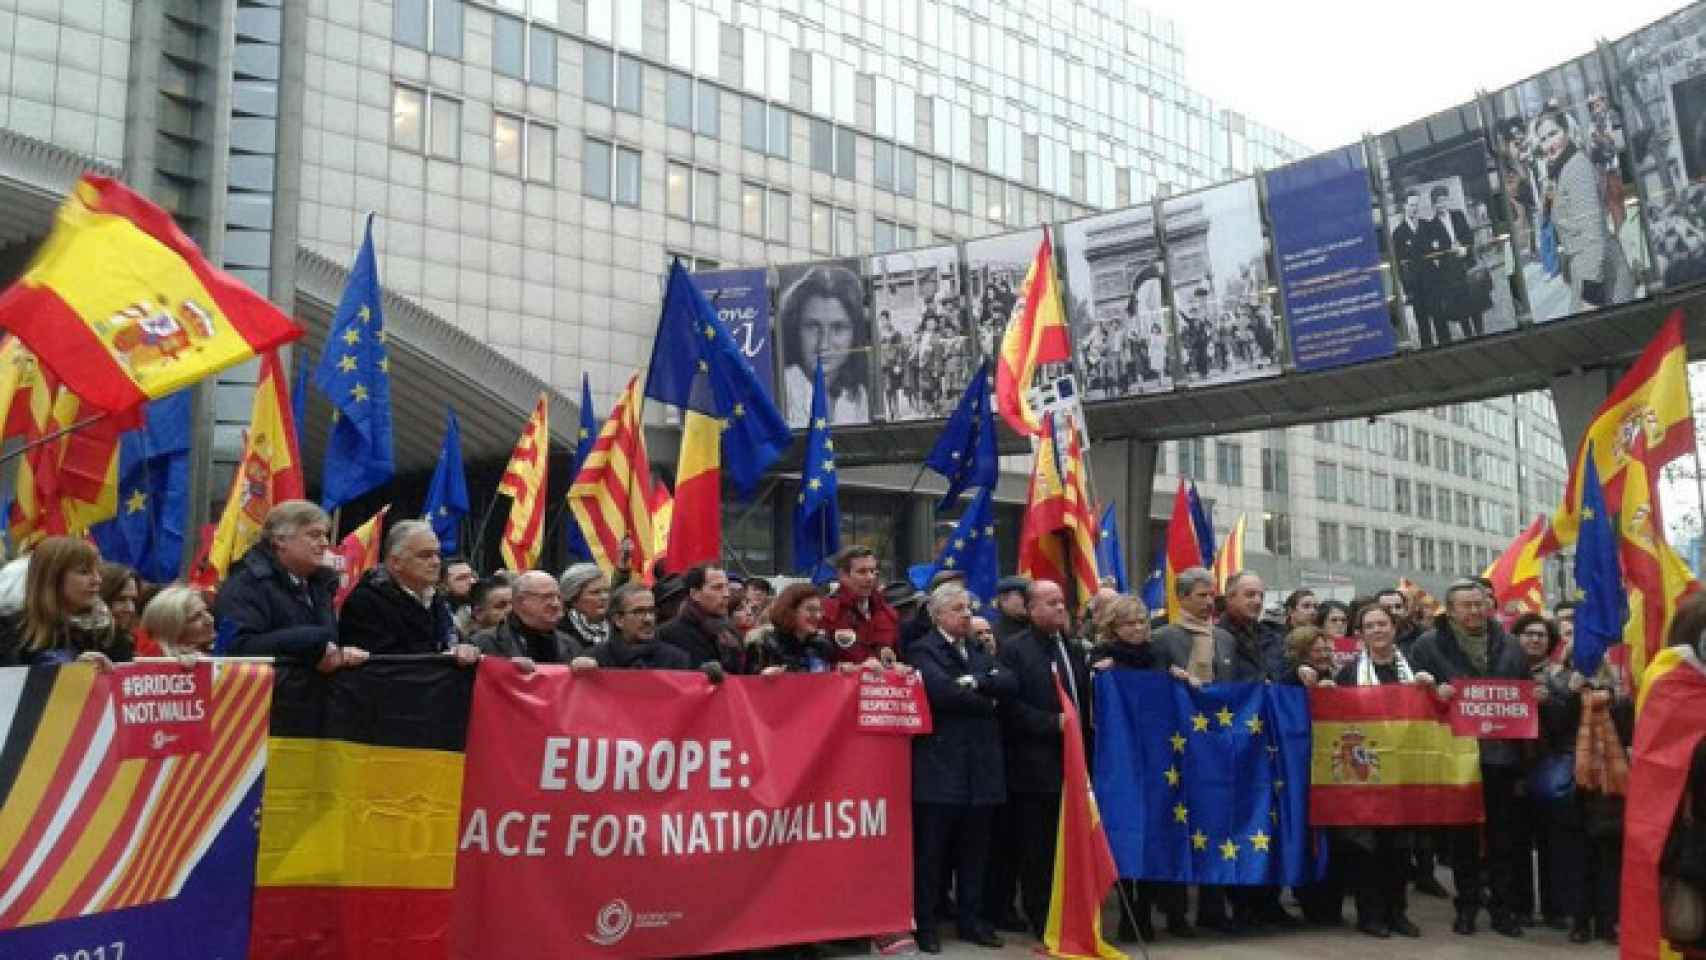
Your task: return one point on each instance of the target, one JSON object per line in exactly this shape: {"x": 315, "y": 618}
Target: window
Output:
{"x": 845, "y": 153}
{"x": 409, "y": 23}
{"x": 1192, "y": 459}
{"x": 444, "y": 126}
{"x": 705, "y": 200}
{"x": 906, "y": 177}
{"x": 541, "y": 57}
{"x": 1401, "y": 441}
{"x": 1466, "y": 560}
{"x": 1275, "y": 477}
{"x": 1356, "y": 486}
{"x": 752, "y": 130}
{"x": 777, "y": 218}
{"x": 710, "y": 106}
{"x": 962, "y": 190}
{"x": 1356, "y": 545}
{"x": 627, "y": 176}
{"x": 941, "y": 185}
{"x": 1383, "y": 548}
{"x": 1424, "y": 449}
{"x": 1425, "y": 555}
{"x": 1324, "y": 432}
{"x": 678, "y": 101}
{"x": 599, "y": 76}
{"x": 1406, "y": 554}
{"x": 507, "y": 144}
{"x": 823, "y": 146}
{"x": 1326, "y": 481}
{"x": 595, "y": 169}
{"x": 884, "y": 176}
{"x": 823, "y": 225}
{"x": 846, "y": 233}
{"x": 884, "y": 238}
{"x": 1351, "y": 433}
{"x": 1380, "y": 491}
{"x": 1229, "y": 464}
{"x": 509, "y": 38}
{"x": 906, "y": 237}
{"x": 678, "y": 190}
{"x": 629, "y": 78}
{"x": 408, "y": 116}
{"x": 1328, "y": 536}
{"x": 1465, "y": 518}
{"x": 1401, "y": 496}
{"x": 781, "y": 133}
{"x": 1442, "y": 453}
{"x": 1276, "y": 532}
{"x": 752, "y": 209}
{"x": 541, "y": 152}
{"x": 1425, "y": 502}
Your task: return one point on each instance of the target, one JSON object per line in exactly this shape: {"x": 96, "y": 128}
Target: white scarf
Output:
{"x": 1366, "y": 677}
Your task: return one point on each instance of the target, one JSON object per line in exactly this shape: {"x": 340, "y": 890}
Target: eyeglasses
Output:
{"x": 1537, "y": 634}
{"x": 542, "y": 597}
{"x": 640, "y": 612}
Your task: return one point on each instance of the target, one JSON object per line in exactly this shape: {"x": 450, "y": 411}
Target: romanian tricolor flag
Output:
{"x": 1183, "y": 549}
{"x": 359, "y": 815}
{"x": 1516, "y": 573}
{"x": 269, "y": 473}
{"x": 122, "y": 307}
{"x": 96, "y": 849}
{"x": 1083, "y": 863}
{"x": 613, "y": 497}
{"x": 1035, "y": 335}
{"x": 1386, "y": 756}
{"x": 1646, "y": 419}
{"x": 696, "y": 530}
{"x": 1058, "y": 503}
{"x": 1229, "y": 559}
{"x": 1671, "y": 720}
{"x": 524, "y": 483}
{"x": 359, "y": 553}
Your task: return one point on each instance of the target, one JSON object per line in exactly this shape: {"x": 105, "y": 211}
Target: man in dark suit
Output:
{"x": 1454, "y": 252}
{"x": 1415, "y": 270}
{"x": 957, "y": 770}
{"x": 1031, "y": 724}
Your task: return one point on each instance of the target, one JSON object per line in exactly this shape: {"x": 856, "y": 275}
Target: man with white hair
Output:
{"x": 398, "y": 607}
{"x": 277, "y": 600}
{"x": 530, "y": 635}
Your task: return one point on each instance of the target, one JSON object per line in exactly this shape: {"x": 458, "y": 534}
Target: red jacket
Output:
{"x": 878, "y": 628}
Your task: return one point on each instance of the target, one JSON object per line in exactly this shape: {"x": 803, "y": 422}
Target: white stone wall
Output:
{"x": 63, "y": 71}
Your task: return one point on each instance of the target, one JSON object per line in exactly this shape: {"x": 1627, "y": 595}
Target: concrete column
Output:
{"x": 1123, "y": 472}
{"x": 1576, "y": 396}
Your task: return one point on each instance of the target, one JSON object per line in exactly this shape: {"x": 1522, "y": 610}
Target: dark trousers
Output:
{"x": 1139, "y": 899}
{"x": 949, "y": 837}
{"x": 1481, "y": 857}
{"x": 1586, "y": 867}
{"x": 1371, "y": 869}
{"x": 1035, "y": 824}
{"x": 1001, "y": 878}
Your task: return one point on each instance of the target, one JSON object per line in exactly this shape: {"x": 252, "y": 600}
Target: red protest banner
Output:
{"x": 652, "y": 814}
{"x": 162, "y": 710}
{"x": 1494, "y": 709}
{"x": 892, "y": 702}
{"x": 1345, "y": 651}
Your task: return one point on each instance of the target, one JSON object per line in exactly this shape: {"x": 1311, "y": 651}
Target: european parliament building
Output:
{"x": 533, "y": 166}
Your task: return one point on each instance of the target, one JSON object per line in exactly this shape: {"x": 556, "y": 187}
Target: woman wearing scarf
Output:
{"x": 586, "y": 601}
{"x": 1371, "y": 855}
{"x": 792, "y": 641}
{"x": 1593, "y": 259}
{"x": 63, "y": 618}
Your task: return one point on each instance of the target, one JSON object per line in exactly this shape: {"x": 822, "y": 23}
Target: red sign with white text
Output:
{"x": 1490, "y": 709}
{"x": 892, "y": 702}
{"x": 162, "y": 710}
{"x": 655, "y": 814}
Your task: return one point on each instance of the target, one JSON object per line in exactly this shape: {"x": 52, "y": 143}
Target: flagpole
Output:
{"x": 485, "y": 521}
{"x": 55, "y": 435}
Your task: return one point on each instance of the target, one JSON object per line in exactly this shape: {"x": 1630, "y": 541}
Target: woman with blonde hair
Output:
{"x": 178, "y": 619}
{"x": 63, "y": 618}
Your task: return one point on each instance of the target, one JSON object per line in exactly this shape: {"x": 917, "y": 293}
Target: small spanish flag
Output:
{"x": 122, "y": 307}
{"x": 1083, "y": 863}
{"x": 360, "y": 553}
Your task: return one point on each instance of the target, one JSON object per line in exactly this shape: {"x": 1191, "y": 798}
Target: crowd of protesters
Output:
{"x": 987, "y": 781}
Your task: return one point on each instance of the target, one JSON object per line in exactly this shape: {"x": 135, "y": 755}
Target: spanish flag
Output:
{"x": 1083, "y": 863}
{"x": 1386, "y": 756}
{"x": 122, "y": 307}
{"x": 68, "y": 481}
{"x": 696, "y": 530}
{"x": 613, "y": 497}
{"x": 1647, "y": 418}
{"x": 1654, "y": 576}
{"x": 1183, "y": 549}
{"x": 1035, "y": 335}
{"x": 359, "y": 553}
{"x": 524, "y": 483}
{"x": 1516, "y": 573}
{"x": 1058, "y": 502}
{"x": 1671, "y": 719}
{"x": 360, "y": 810}
{"x": 269, "y": 473}
{"x": 1230, "y": 558}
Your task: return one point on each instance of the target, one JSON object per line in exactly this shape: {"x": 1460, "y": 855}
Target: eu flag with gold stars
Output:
{"x": 1203, "y": 785}
{"x": 817, "y": 515}
{"x": 355, "y": 376}
{"x": 147, "y": 533}
{"x": 972, "y": 550}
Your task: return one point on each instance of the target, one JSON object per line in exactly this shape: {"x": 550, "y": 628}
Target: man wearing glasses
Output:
{"x": 528, "y": 636}
{"x": 634, "y": 643}
{"x": 277, "y": 601}
{"x": 1468, "y": 643}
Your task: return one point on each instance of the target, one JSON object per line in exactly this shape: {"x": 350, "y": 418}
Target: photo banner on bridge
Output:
{"x": 924, "y": 337}
{"x": 650, "y": 814}
{"x": 1217, "y": 267}
{"x": 1328, "y": 257}
{"x": 742, "y": 301}
{"x": 1122, "y": 329}
{"x": 820, "y": 314}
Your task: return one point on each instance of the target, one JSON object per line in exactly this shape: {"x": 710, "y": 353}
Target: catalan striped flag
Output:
{"x": 1084, "y": 867}
{"x": 1035, "y": 335}
{"x": 613, "y": 497}
{"x": 1385, "y": 756}
{"x": 1058, "y": 502}
{"x": 94, "y": 848}
{"x": 359, "y": 815}
{"x": 524, "y": 483}
{"x": 1229, "y": 559}
{"x": 122, "y": 307}
{"x": 359, "y": 553}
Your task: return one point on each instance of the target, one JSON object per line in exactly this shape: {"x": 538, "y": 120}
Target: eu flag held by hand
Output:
{"x": 1110, "y": 556}
{"x": 1604, "y": 605}
{"x": 574, "y": 541}
{"x": 965, "y": 452}
{"x": 153, "y": 493}
{"x": 693, "y": 348}
{"x": 817, "y": 516}
{"x": 1206, "y": 785}
{"x": 447, "y": 497}
{"x": 355, "y": 376}
{"x": 972, "y": 549}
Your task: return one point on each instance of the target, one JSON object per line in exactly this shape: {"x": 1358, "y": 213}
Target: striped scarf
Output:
{"x": 1366, "y": 677}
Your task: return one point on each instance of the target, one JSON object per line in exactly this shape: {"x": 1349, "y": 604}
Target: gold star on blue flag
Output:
{"x": 970, "y": 551}
{"x": 447, "y": 496}
{"x": 817, "y": 515}
{"x": 153, "y": 488}
{"x": 354, "y": 374}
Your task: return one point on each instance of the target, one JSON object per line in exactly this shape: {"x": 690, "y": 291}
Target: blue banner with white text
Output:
{"x": 742, "y": 302}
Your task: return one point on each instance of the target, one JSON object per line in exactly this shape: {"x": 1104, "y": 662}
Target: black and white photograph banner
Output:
{"x": 924, "y": 338}
{"x": 820, "y": 313}
{"x": 1121, "y": 329}
{"x": 1223, "y": 299}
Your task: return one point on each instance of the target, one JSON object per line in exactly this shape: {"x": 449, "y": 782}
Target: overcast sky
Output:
{"x": 1328, "y": 71}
